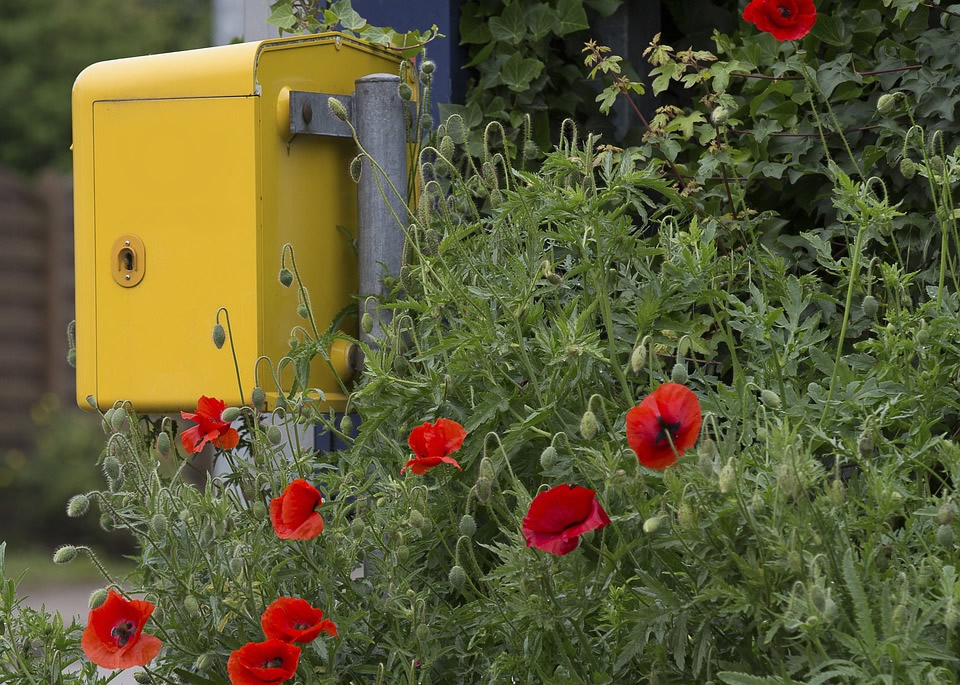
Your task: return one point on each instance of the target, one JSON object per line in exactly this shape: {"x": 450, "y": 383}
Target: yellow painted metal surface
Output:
{"x": 186, "y": 152}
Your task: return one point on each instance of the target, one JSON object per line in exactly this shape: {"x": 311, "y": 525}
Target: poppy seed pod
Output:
{"x": 468, "y": 527}
{"x": 638, "y": 358}
{"x": 191, "y": 604}
{"x": 65, "y": 554}
{"x": 944, "y": 536}
{"x": 285, "y": 277}
{"x": 230, "y": 414}
{"x": 274, "y": 436}
{"x": 457, "y": 577}
{"x": 337, "y": 109}
{"x": 548, "y": 458}
{"x": 770, "y": 399}
{"x": 219, "y": 336}
{"x": 869, "y": 306}
{"x": 97, "y": 597}
{"x": 679, "y": 373}
{"x": 651, "y": 525}
{"x": 908, "y": 168}
{"x": 164, "y": 446}
{"x": 728, "y": 476}
{"x": 588, "y": 425}
{"x": 77, "y": 506}
{"x": 947, "y": 513}
{"x": 366, "y": 323}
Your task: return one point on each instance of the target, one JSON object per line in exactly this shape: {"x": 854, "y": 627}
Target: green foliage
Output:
{"x": 43, "y": 46}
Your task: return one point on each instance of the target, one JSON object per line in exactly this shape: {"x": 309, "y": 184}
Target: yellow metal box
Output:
{"x": 187, "y": 184}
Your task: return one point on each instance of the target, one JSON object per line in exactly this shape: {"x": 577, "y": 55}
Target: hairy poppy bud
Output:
{"x": 205, "y": 661}
{"x": 111, "y": 467}
{"x": 588, "y": 425}
{"x": 158, "y": 525}
{"x": 164, "y": 446}
{"x": 651, "y": 525}
{"x": 422, "y": 632}
{"x": 72, "y": 357}
{"x": 446, "y": 147}
{"x": 97, "y": 597}
{"x": 143, "y": 677}
{"x": 416, "y": 519}
{"x": 258, "y": 398}
{"x": 236, "y": 566}
{"x": 457, "y": 577}
{"x": 106, "y": 521}
{"x": 728, "y": 476}
{"x": 818, "y": 597}
{"x": 679, "y": 373}
{"x": 426, "y": 122}
{"x": 405, "y": 92}
{"x": 886, "y": 103}
{"x": 428, "y": 66}
{"x": 548, "y": 457}
{"x": 366, "y": 323}
{"x": 230, "y": 414}
{"x": 719, "y": 115}
{"x": 945, "y": 536}
{"x": 185, "y": 515}
{"x": 274, "y": 436}
{"x": 105, "y": 422}
{"x": 908, "y": 168}
{"x": 936, "y": 164}
{"x": 191, "y": 604}
{"x": 530, "y": 150}
{"x": 837, "y": 492}
{"x": 337, "y": 109}
{"x": 219, "y": 336}
{"x": 400, "y": 365}
{"x": 484, "y": 489}
{"x": 686, "y": 516}
{"x": 865, "y": 447}
{"x": 951, "y": 617}
{"x": 468, "y": 527}
{"x": 119, "y": 421}
{"x": 947, "y": 513}
{"x": 286, "y": 277}
{"x": 869, "y": 306}
{"x": 258, "y": 509}
{"x": 357, "y": 527}
{"x": 638, "y": 358}
{"x": 770, "y": 399}
{"x": 77, "y": 506}
{"x": 403, "y": 554}
{"x": 207, "y": 535}
{"x": 356, "y": 168}
{"x": 346, "y": 425}
{"x": 302, "y": 311}
{"x": 65, "y": 554}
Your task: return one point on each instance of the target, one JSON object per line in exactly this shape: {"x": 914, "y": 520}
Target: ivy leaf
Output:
{"x": 831, "y": 30}
{"x": 570, "y": 17}
{"x": 517, "y": 72}
{"x": 763, "y": 128}
{"x": 511, "y": 26}
{"x": 282, "y": 16}
{"x": 540, "y": 20}
{"x": 376, "y": 34}
{"x": 604, "y": 7}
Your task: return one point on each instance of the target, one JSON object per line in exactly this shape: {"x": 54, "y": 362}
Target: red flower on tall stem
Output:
{"x": 559, "y": 516}
{"x": 294, "y": 513}
{"x": 210, "y": 427}
{"x": 784, "y": 19}
{"x": 432, "y": 444}
{"x": 263, "y": 663}
{"x": 664, "y": 425}
{"x": 114, "y": 636}
{"x": 294, "y": 620}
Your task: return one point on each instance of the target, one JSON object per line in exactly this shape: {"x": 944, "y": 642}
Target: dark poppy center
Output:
{"x": 665, "y": 430}
{"x": 300, "y": 626}
{"x": 123, "y": 631}
{"x": 273, "y": 663}
{"x": 784, "y": 11}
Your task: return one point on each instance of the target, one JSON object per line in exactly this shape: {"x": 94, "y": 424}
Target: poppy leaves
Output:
{"x": 783, "y": 19}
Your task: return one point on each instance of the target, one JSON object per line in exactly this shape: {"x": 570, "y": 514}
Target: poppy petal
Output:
{"x": 228, "y": 440}
{"x": 310, "y": 528}
{"x": 192, "y": 440}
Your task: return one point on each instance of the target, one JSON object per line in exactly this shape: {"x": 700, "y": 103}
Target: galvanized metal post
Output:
{"x": 378, "y": 115}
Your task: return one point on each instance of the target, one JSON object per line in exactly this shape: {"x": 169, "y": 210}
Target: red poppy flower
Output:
{"x": 432, "y": 444}
{"x": 672, "y": 409}
{"x": 263, "y": 663}
{"x": 785, "y": 19}
{"x": 559, "y": 516}
{"x": 293, "y": 514}
{"x": 294, "y": 620}
{"x": 209, "y": 428}
{"x": 114, "y": 636}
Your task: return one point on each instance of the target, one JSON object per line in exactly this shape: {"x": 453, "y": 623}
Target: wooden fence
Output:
{"x": 36, "y": 298}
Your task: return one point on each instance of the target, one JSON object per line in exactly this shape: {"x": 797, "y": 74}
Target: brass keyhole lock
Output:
{"x": 129, "y": 260}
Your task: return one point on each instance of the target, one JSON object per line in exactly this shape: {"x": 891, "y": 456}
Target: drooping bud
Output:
{"x": 951, "y": 617}
{"x": 77, "y": 506}
{"x": 484, "y": 490}
{"x": 945, "y": 536}
{"x": 638, "y": 359}
{"x": 219, "y": 336}
{"x": 285, "y": 277}
{"x": 97, "y": 597}
{"x": 236, "y": 566}
{"x": 400, "y": 365}
{"x": 164, "y": 446}
{"x": 530, "y": 150}
{"x": 405, "y": 92}
{"x": 65, "y": 554}
{"x": 548, "y": 457}
{"x": 206, "y": 660}
{"x": 416, "y": 519}
{"x": 588, "y": 425}
{"x": 230, "y": 414}
{"x": 865, "y": 446}
{"x": 651, "y": 525}
{"x": 947, "y": 513}
{"x": 72, "y": 357}
{"x": 728, "y": 476}
{"x": 446, "y": 147}
{"x": 886, "y": 103}
{"x": 106, "y": 521}
{"x": 143, "y": 677}
{"x": 456, "y": 129}
{"x": 686, "y": 516}
{"x": 422, "y": 632}
{"x": 426, "y": 122}
{"x": 869, "y": 306}
{"x": 258, "y": 509}
{"x": 679, "y": 373}
{"x": 936, "y": 164}
{"x": 111, "y": 467}
{"x": 274, "y": 436}
{"x": 428, "y": 66}
{"x": 366, "y": 323}
{"x": 119, "y": 421}
{"x": 457, "y": 577}
{"x": 105, "y": 422}
{"x": 191, "y": 604}
{"x": 337, "y": 109}
{"x": 707, "y": 454}
{"x": 302, "y": 311}
{"x": 158, "y": 525}
{"x": 257, "y": 398}
{"x": 403, "y": 554}
{"x": 346, "y": 425}
{"x": 770, "y": 399}
{"x": 468, "y": 527}
{"x": 837, "y": 493}
{"x": 908, "y": 168}
{"x": 818, "y": 597}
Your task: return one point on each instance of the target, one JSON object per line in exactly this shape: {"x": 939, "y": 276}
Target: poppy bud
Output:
{"x": 119, "y": 421}
{"x": 428, "y": 66}
{"x": 185, "y": 515}
{"x": 837, "y": 492}
{"x": 679, "y": 373}
{"x": 869, "y": 306}
{"x": 923, "y": 335}
{"x": 446, "y": 147}
{"x": 302, "y": 311}
{"x": 207, "y": 535}
{"x": 468, "y": 527}
{"x": 403, "y": 554}
{"x": 72, "y": 357}
{"x": 356, "y": 168}
{"x": 448, "y": 385}
{"x": 230, "y": 414}
{"x": 236, "y": 566}
{"x": 548, "y": 457}
{"x": 142, "y": 676}
{"x": 274, "y": 435}
{"x": 337, "y": 109}
{"x": 106, "y": 522}
{"x": 554, "y": 278}
{"x": 97, "y": 597}
{"x": 164, "y": 447}
{"x": 426, "y": 122}
{"x": 405, "y": 92}
{"x": 77, "y": 506}
{"x": 651, "y": 525}
{"x": 728, "y": 477}
{"x": 457, "y": 577}
{"x": 416, "y": 519}
{"x": 205, "y": 661}
{"x": 423, "y": 631}
{"x": 158, "y": 525}
{"x": 951, "y": 617}
{"x": 257, "y": 397}
{"x": 588, "y": 425}
{"x": 191, "y": 604}
{"x": 105, "y": 422}
{"x": 947, "y": 513}
{"x": 865, "y": 447}
{"x": 346, "y": 425}
{"x": 366, "y": 323}
{"x": 936, "y": 164}
{"x": 111, "y": 467}
{"x": 886, "y": 103}
{"x": 219, "y": 336}
{"x": 707, "y": 454}
{"x": 530, "y": 150}
{"x": 908, "y": 168}
{"x": 400, "y": 365}
{"x": 286, "y": 277}
{"x": 258, "y": 509}
{"x": 818, "y": 597}
{"x": 945, "y": 536}
{"x": 638, "y": 358}
{"x": 65, "y": 554}
{"x": 484, "y": 489}
{"x": 719, "y": 115}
